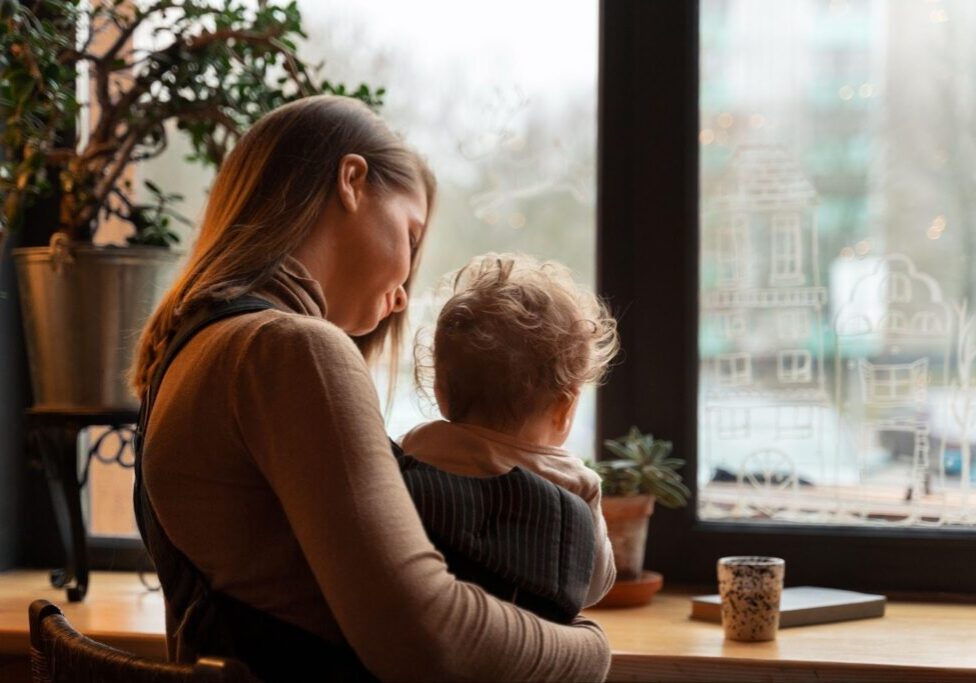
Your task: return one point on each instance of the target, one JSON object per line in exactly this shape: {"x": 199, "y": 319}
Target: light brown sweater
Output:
{"x": 267, "y": 462}
{"x": 474, "y": 451}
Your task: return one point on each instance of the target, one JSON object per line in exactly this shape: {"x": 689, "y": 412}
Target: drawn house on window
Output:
{"x": 893, "y": 344}
{"x": 763, "y": 381}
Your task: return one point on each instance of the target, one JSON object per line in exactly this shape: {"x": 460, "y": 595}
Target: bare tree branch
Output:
{"x": 107, "y": 182}
{"x": 125, "y": 33}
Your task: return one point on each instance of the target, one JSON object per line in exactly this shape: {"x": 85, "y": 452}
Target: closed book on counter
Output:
{"x": 804, "y": 605}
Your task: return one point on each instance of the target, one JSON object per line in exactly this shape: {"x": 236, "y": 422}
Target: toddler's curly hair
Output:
{"x": 515, "y": 335}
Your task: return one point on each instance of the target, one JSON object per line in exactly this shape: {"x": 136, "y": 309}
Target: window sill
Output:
{"x": 118, "y": 611}
{"x": 914, "y": 641}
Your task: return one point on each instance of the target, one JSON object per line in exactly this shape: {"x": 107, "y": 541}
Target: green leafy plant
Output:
{"x": 215, "y": 67}
{"x": 643, "y": 465}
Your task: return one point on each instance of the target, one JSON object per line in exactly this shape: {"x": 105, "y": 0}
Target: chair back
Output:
{"x": 60, "y": 654}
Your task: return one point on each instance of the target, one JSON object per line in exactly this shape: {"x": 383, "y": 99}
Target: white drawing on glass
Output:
{"x": 734, "y": 369}
{"x": 733, "y": 241}
{"x": 732, "y": 423}
{"x": 794, "y": 422}
{"x": 898, "y": 288}
{"x": 927, "y": 323}
{"x": 895, "y": 384}
{"x": 759, "y": 265}
{"x": 519, "y": 162}
{"x": 794, "y": 366}
{"x": 733, "y": 324}
{"x": 963, "y": 410}
{"x": 793, "y": 324}
{"x": 895, "y": 322}
{"x": 903, "y": 415}
{"x": 768, "y": 477}
{"x": 787, "y": 250}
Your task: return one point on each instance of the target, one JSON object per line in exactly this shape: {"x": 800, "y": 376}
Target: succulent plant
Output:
{"x": 643, "y": 465}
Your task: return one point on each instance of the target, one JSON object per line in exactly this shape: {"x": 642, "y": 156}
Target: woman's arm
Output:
{"x": 308, "y": 411}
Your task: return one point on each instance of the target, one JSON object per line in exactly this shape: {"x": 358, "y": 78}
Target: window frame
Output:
{"x": 647, "y": 175}
{"x": 786, "y": 249}
{"x": 794, "y": 366}
{"x": 733, "y": 263}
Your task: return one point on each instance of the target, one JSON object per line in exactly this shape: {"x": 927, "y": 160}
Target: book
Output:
{"x": 804, "y": 605}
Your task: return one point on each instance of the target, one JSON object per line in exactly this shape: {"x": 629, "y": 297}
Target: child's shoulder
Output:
{"x": 417, "y": 432}
{"x": 576, "y": 476}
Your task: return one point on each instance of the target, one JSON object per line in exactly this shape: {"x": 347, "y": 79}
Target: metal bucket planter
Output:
{"x": 83, "y": 308}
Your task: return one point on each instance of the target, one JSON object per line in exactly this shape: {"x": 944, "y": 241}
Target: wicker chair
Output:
{"x": 60, "y": 654}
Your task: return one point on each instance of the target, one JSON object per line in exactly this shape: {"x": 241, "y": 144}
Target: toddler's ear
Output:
{"x": 563, "y": 412}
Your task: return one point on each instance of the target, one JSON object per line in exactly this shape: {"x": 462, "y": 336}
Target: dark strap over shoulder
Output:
{"x": 201, "y": 621}
{"x": 203, "y": 318}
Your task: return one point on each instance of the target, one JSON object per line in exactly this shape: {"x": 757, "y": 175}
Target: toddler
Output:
{"x": 512, "y": 349}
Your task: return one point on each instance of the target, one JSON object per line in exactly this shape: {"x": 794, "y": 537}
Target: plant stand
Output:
{"x": 52, "y": 437}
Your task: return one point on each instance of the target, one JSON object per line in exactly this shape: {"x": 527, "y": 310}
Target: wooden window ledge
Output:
{"x": 913, "y": 642}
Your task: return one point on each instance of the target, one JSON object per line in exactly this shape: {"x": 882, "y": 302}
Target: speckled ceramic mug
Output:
{"x": 750, "y": 588}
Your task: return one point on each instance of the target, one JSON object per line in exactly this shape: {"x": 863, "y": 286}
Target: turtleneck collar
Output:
{"x": 294, "y": 289}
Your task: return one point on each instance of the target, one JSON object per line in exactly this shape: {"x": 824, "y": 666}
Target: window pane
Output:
{"x": 504, "y": 109}
{"x": 837, "y": 147}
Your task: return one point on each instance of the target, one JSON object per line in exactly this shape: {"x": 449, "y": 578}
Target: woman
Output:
{"x": 265, "y": 458}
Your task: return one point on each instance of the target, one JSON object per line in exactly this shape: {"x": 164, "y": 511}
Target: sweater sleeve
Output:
{"x": 307, "y": 409}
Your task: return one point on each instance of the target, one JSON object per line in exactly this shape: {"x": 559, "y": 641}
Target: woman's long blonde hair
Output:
{"x": 269, "y": 193}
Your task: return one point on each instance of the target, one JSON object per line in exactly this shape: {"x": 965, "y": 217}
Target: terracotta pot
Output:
{"x": 632, "y": 593}
{"x": 627, "y": 527}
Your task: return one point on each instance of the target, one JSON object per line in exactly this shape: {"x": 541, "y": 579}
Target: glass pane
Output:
{"x": 505, "y": 112}
{"x": 504, "y": 109}
{"x": 106, "y": 461}
{"x": 838, "y": 224}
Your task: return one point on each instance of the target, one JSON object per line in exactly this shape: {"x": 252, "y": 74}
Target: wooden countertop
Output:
{"x": 912, "y": 642}
{"x": 118, "y": 611}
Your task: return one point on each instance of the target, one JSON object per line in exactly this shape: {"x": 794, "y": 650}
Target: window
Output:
{"x": 928, "y": 322}
{"x": 733, "y": 324}
{"x": 900, "y": 369}
{"x": 895, "y": 322}
{"x": 767, "y": 78}
{"x": 508, "y": 126}
{"x": 732, "y": 251}
{"x": 733, "y": 423}
{"x": 794, "y": 366}
{"x": 899, "y": 384}
{"x": 899, "y": 288}
{"x": 794, "y": 422}
{"x": 504, "y": 111}
{"x": 786, "y": 248}
{"x": 734, "y": 369}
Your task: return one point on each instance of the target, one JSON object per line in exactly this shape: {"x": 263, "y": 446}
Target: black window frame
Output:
{"x": 647, "y": 267}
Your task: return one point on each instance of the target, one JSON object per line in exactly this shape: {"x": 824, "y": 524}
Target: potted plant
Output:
{"x": 643, "y": 472}
{"x": 217, "y": 68}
